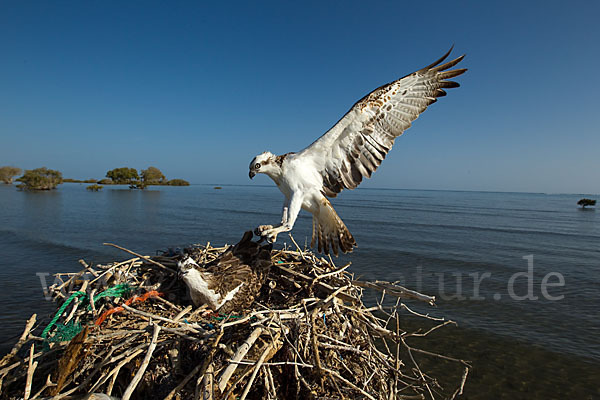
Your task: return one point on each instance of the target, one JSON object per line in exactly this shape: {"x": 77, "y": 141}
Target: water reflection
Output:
{"x": 150, "y": 205}
{"x": 42, "y": 212}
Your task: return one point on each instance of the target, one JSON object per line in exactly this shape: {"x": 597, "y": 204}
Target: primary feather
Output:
{"x": 355, "y": 146}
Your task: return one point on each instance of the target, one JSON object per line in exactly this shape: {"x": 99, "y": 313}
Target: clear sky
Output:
{"x": 198, "y": 88}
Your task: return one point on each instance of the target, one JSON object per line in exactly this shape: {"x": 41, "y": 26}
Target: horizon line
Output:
{"x": 389, "y": 188}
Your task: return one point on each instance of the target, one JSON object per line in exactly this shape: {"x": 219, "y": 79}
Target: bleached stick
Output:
{"x": 239, "y": 354}
{"x": 30, "y": 371}
{"x": 395, "y": 290}
{"x": 138, "y": 376}
{"x": 182, "y": 313}
{"x": 21, "y": 342}
{"x": 347, "y": 382}
{"x": 147, "y": 258}
{"x": 207, "y": 383}
{"x": 259, "y": 363}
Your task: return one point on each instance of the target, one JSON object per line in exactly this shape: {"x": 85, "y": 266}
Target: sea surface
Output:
{"x": 518, "y": 272}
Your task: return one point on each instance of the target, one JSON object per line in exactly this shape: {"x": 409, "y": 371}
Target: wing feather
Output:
{"x": 357, "y": 144}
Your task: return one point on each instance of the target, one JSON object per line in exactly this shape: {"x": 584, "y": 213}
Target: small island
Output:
{"x": 48, "y": 179}
{"x": 8, "y": 173}
{"x": 583, "y": 203}
{"x": 146, "y": 177}
{"x": 94, "y": 188}
{"x": 40, "y": 179}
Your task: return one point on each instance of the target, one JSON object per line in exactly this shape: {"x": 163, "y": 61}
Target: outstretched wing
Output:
{"x": 359, "y": 142}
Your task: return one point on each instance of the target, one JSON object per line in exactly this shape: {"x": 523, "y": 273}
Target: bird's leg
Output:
{"x": 284, "y": 214}
{"x": 290, "y": 213}
{"x": 261, "y": 229}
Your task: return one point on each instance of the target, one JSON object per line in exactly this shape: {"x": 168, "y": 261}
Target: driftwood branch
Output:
{"x": 138, "y": 375}
{"x": 30, "y": 371}
{"x": 239, "y": 354}
{"x": 8, "y": 358}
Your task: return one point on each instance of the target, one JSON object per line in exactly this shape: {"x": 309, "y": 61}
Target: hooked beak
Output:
{"x": 251, "y": 174}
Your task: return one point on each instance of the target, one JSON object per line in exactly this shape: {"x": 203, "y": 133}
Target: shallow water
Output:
{"x": 439, "y": 242}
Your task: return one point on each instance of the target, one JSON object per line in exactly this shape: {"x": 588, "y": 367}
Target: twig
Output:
{"x": 46, "y": 386}
{"x": 147, "y": 258}
{"x": 395, "y": 290}
{"x": 199, "y": 368}
{"x": 191, "y": 327}
{"x": 30, "y": 371}
{"x": 297, "y": 247}
{"x": 321, "y": 285}
{"x": 272, "y": 364}
{"x": 337, "y": 271}
{"x": 138, "y": 376}
{"x": 459, "y": 391}
{"x": 347, "y": 382}
{"x": 239, "y": 354}
{"x": 7, "y": 358}
{"x": 207, "y": 383}
{"x": 267, "y": 353}
{"x": 182, "y": 313}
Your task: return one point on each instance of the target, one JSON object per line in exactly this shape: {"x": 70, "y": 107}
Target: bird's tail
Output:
{"x": 330, "y": 231}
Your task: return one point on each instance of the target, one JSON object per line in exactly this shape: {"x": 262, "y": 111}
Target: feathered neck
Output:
{"x": 275, "y": 173}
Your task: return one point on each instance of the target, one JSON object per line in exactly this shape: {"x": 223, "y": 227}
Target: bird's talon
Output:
{"x": 261, "y": 229}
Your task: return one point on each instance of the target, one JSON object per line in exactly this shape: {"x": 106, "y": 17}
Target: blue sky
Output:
{"x": 197, "y": 89}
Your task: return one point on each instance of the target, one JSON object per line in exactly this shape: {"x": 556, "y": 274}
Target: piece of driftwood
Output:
{"x": 9, "y": 357}
{"x": 30, "y": 371}
{"x": 239, "y": 354}
{"x": 71, "y": 358}
{"x": 140, "y": 373}
{"x": 308, "y": 334}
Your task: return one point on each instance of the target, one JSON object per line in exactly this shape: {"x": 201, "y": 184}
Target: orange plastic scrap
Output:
{"x": 142, "y": 298}
{"x": 106, "y": 313}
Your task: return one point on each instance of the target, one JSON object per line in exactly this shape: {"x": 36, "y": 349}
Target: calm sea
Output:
{"x": 518, "y": 272}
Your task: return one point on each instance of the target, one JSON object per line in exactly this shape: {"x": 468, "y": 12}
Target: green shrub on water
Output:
{"x": 40, "y": 179}
{"x": 178, "y": 182}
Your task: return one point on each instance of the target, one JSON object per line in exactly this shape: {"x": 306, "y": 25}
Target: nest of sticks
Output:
{"x": 308, "y": 335}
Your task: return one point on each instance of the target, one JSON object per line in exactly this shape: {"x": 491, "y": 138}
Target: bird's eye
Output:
{"x": 257, "y": 166}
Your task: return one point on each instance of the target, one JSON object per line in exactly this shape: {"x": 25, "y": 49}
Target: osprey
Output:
{"x": 230, "y": 282}
{"x": 352, "y": 149}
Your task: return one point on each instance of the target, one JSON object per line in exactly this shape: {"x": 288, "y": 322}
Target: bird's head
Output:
{"x": 186, "y": 267}
{"x": 264, "y": 163}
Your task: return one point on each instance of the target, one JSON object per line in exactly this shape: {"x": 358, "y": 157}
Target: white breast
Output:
{"x": 199, "y": 290}
{"x": 301, "y": 176}
{"x": 201, "y": 294}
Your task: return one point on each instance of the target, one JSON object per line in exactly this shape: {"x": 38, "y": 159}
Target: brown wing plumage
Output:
{"x": 355, "y": 147}
{"x": 247, "y": 262}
